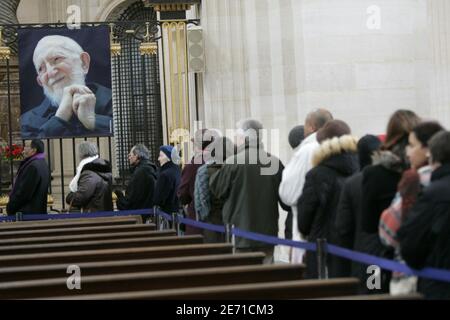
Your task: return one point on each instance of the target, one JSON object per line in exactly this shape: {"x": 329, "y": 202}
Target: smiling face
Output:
{"x": 59, "y": 62}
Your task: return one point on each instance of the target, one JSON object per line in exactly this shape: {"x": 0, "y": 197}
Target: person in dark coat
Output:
{"x": 248, "y": 185}
{"x": 91, "y": 188}
{"x": 168, "y": 180}
{"x": 333, "y": 162}
{"x": 425, "y": 234}
{"x": 348, "y": 217}
{"x": 379, "y": 187}
{"x": 202, "y": 139}
{"x": 140, "y": 190}
{"x": 30, "y": 186}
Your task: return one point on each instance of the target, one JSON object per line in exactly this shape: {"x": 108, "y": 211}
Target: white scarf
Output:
{"x": 73, "y": 186}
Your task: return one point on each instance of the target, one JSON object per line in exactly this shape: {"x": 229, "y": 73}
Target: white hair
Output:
{"x": 66, "y": 43}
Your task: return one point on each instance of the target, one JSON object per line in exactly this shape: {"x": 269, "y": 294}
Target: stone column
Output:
{"x": 439, "y": 33}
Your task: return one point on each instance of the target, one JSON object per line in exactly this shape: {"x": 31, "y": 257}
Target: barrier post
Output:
{"x": 322, "y": 258}
{"x": 229, "y": 236}
{"x": 175, "y": 223}
{"x": 228, "y": 233}
{"x": 19, "y": 216}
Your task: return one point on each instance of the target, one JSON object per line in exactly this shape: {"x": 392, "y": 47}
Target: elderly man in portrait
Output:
{"x": 71, "y": 106}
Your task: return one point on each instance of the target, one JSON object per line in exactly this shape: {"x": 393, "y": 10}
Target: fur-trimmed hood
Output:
{"x": 339, "y": 153}
{"x": 334, "y": 146}
{"x": 389, "y": 160}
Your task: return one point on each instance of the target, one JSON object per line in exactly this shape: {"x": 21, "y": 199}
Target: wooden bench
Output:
{"x": 87, "y": 237}
{"x": 69, "y": 223}
{"x": 100, "y": 244}
{"x": 75, "y": 231}
{"x": 157, "y": 280}
{"x": 411, "y": 296}
{"x": 131, "y": 266}
{"x": 75, "y": 257}
{"x": 297, "y": 289}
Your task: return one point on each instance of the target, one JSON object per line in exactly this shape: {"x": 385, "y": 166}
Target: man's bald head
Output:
{"x": 316, "y": 120}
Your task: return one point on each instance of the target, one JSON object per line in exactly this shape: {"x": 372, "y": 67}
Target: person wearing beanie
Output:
{"x": 296, "y": 136}
{"x": 334, "y": 161}
{"x": 168, "y": 180}
{"x": 366, "y": 146}
{"x": 294, "y": 174}
{"x": 202, "y": 139}
{"x": 348, "y": 217}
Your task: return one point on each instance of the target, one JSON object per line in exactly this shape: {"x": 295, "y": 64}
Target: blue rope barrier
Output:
{"x": 34, "y": 217}
{"x": 8, "y": 219}
{"x": 431, "y": 273}
{"x": 202, "y": 225}
{"x": 274, "y": 240}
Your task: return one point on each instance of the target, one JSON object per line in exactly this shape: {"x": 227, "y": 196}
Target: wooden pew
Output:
{"x": 75, "y": 231}
{"x": 75, "y": 257}
{"x": 9, "y": 274}
{"x": 87, "y": 237}
{"x": 411, "y": 296}
{"x": 100, "y": 244}
{"x": 69, "y": 223}
{"x": 156, "y": 280}
{"x": 297, "y": 289}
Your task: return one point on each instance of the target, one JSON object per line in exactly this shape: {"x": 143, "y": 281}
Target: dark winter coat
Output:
{"x": 94, "y": 188}
{"x": 334, "y": 161}
{"x": 187, "y": 187}
{"x": 425, "y": 234}
{"x": 249, "y": 190}
{"x": 378, "y": 190}
{"x": 348, "y": 217}
{"x": 166, "y": 188}
{"x": 140, "y": 190}
{"x": 29, "y": 194}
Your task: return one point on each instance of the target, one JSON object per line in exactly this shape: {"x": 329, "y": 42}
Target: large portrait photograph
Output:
{"x": 65, "y": 82}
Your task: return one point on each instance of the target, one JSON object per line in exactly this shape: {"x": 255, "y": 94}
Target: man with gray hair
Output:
{"x": 71, "y": 107}
{"x": 248, "y": 185}
{"x": 291, "y": 186}
{"x": 141, "y": 188}
{"x": 90, "y": 189}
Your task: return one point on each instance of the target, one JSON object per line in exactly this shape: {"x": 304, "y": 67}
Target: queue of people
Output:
{"x": 387, "y": 197}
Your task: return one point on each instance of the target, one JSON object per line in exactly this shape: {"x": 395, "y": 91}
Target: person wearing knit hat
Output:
{"x": 296, "y": 136}
{"x": 168, "y": 180}
{"x": 171, "y": 153}
{"x": 367, "y": 145}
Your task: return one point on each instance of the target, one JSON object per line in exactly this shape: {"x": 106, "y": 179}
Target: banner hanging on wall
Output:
{"x": 65, "y": 82}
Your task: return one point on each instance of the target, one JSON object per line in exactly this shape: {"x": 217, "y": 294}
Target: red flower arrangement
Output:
{"x": 11, "y": 153}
